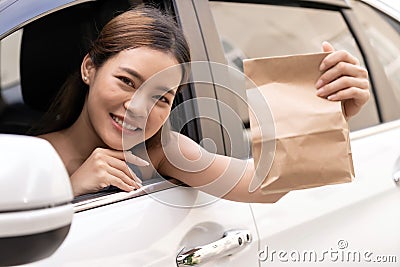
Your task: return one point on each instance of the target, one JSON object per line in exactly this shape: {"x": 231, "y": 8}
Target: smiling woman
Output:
{"x": 91, "y": 109}
{"x": 115, "y": 109}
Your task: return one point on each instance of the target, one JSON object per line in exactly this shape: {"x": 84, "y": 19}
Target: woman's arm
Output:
{"x": 218, "y": 175}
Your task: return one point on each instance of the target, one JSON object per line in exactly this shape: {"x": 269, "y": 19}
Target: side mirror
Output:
{"x": 35, "y": 200}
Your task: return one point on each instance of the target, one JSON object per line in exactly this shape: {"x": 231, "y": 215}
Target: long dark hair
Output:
{"x": 142, "y": 26}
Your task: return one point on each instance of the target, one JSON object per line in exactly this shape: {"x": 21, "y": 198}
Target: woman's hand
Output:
{"x": 343, "y": 80}
{"x": 106, "y": 167}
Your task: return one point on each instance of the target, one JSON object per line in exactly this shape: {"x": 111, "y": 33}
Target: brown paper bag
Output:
{"x": 311, "y": 137}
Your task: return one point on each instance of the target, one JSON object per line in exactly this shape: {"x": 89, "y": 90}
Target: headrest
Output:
{"x": 53, "y": 48}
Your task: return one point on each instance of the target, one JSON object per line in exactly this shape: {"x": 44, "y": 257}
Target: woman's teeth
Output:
{"x": 124, "y": 124}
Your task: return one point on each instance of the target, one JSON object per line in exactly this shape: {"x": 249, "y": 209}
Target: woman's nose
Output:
{"x": 136, "y": 107}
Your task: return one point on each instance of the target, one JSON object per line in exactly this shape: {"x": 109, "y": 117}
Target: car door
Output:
{"x": 151, "y": 230}
{"x": 348, "y": 224}
{"x": 164, "y": 222}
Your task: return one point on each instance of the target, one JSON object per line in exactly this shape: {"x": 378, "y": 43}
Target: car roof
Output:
{"x": 339, "y": 3}
{"x": 389, "y": 7}
{"x": 16, "y": 13}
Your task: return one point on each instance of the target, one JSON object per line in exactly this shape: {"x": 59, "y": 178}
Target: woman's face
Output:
{"x": 123, "y": 101}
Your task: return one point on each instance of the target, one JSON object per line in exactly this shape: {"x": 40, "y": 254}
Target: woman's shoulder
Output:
{"x": 46, "y": 135}
{"x": 60, "y": 144}
{"x": 182, "y": 145}
{"x": 50, "y": 137}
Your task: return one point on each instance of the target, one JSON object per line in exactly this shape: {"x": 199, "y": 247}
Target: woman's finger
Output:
{"x": 341, "y": 69}
{"x": 115, "y": 181}
{"x": 135, "y": 159}
{"x": 359, "y": 96}
{"x": 353, "y": 99}
{"x": 335, "y": 57}
{"x": 124, "y": 155}
{"x": 123, "y": 167}
{"x": 121, "y": 175}
{"x": 327, "y": 47}
{"x": 117, "y": 159}
{"x": 342, "y": 83}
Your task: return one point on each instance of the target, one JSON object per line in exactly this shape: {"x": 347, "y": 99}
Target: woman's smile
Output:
{"x": 123, "y": 126}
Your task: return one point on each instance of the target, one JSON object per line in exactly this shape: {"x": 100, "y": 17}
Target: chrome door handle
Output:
{"x": 396, "y": 171}
{"x": 396, "y": 176}
{"x": 230, "y": 242}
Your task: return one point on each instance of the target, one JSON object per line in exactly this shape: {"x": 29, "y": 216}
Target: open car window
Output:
{"x": 31, "y": 77}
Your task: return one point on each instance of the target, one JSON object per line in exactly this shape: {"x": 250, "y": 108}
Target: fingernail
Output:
{"x": 320, "y": 92}
{"x": 146, "y": 163}
{"x": 318, "y": 84}
{"x": 332, "y": 97}
{"x": 322, "y": 67}
{"x": 141, "y": 161}
{"x": 135, "y": 178}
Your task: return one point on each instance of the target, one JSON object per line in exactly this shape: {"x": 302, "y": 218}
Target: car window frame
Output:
{"x": 385, "y": 99}
{"x": 99, "y": 200}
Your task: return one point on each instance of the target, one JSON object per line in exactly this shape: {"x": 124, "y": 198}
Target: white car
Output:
{"x": 167, "y": 223}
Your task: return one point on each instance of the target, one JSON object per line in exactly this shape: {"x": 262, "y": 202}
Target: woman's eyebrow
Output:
{"x": 133, "y": 73}
{"x": 166, "y": 90}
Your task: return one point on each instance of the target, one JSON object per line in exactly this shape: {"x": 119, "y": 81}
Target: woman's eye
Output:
{"x": 161, "y": 98}
{"x": 127, "y": 81}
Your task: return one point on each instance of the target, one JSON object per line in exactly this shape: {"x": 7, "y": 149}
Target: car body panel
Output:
{"x": 148, "y": 231}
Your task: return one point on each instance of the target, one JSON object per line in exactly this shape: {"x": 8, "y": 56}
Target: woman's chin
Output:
{"x": 124, "y": 143}
{"x": 129, "y": 141}
{"x": 114, "y": 146}
{"x": 113, "y": 142}
{"x": 130, "y": 145}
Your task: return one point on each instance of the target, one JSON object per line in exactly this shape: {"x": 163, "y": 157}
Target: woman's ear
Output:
{"x": 87, "y": 69}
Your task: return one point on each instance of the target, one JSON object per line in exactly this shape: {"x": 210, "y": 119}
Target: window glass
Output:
{"x": 256, "y": 30}
{"x": 9, "y": 66}
{"x": 14, "y": 115}
{"x": 383, "y": 34}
